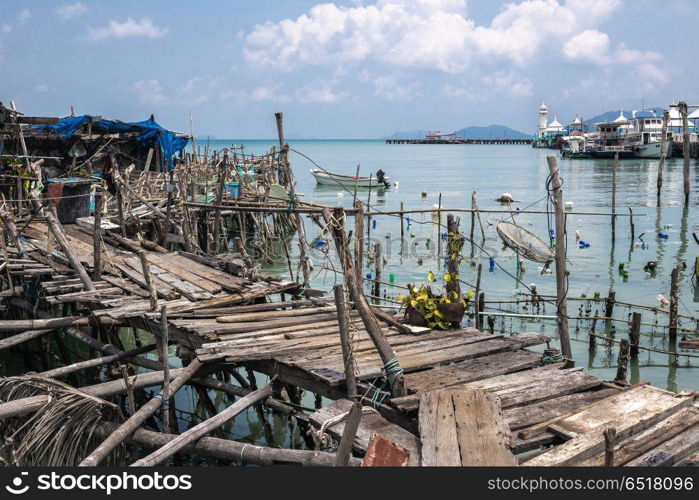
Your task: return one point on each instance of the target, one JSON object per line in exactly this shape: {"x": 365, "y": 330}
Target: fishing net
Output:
{"x": 529, "y": 246}
{"x": 60, "y": 433}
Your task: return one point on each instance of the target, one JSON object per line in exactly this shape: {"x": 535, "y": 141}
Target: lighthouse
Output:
{"x": 543, "y": 118}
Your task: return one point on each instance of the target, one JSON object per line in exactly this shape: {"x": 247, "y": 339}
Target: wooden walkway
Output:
{"x": 473, "y": 398}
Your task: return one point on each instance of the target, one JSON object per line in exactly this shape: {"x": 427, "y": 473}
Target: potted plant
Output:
{"x": 425, "y": 308}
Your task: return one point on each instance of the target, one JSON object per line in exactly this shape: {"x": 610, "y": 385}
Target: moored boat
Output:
{"x": 324, "y": 178}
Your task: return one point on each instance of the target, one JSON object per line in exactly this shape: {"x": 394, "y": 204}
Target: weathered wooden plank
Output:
{"x": 650, "y": 439}
{"x": 614, "y": 408}
{"x": 671, "y": 451}
{"x": 370, "y": 424}
{"x": 182, "y": 271}
{"x": 472, "y": 369}
{"x": 483, "y": 435}
{"x": 522, "y": 417}
{"x": 438, "y": 437}
{"x": 541, "y": 391}
{"x": 264, "y": 315}
{"x": 591, "y": 443}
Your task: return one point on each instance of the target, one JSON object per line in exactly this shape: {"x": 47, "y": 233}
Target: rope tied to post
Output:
{"x": 322, "y": 438}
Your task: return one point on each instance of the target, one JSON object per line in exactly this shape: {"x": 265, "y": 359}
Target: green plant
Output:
{"x": 426, "y": 302}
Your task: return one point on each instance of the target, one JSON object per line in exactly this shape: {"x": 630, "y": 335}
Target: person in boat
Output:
{"x": 381, "y": 177}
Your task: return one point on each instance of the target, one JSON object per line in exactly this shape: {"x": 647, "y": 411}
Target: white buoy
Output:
{"x": 340, "y": 194}
{"x": 577, "y": 235}
{"x": 505, "y": 198}
{"x": 569, "y": 205}
{"x": 397, "y": 185}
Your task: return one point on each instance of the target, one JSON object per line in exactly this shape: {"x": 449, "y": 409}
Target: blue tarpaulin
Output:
{"x": 170, "y": 143}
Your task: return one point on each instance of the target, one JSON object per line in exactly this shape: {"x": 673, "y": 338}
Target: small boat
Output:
{"x": 349, "y": 181}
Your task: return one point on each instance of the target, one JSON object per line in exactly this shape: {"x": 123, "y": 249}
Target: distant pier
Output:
{"x": 458, "y": 141}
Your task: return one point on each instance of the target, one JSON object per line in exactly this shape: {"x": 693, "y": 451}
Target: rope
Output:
{"x": 322, "y": 438}
{"x": 551, "y": 359}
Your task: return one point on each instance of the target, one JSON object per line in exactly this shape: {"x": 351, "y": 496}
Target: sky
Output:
{"x": 345, "y": 69}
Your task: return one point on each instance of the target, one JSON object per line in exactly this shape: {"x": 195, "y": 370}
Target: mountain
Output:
{"x": 613, "y": 115}
{"x": 489, "y": 132}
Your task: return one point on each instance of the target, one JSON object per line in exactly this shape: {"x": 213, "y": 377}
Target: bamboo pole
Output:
{"x": 674, "y": 301}
{"x": 347, "y": 357}
{"x": 198, "y": 431}
{"x": 166, "y": 363}
{"x": 663, "y": 154}
{"x": 97, "y": 236}
{"x": 560, "y": 258}
{"x": 359, "y": 242}
{"x": 336, "y": 219}
{"x": 615, "y": 165}
{"x": 128, "y": 427}
{"x": 685, "y": 150}
{"x": 344, "y": 450}
{"x": 152, "y": 294}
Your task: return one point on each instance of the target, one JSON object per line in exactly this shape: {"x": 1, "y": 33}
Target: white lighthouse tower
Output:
{"x": 543, "y": 120}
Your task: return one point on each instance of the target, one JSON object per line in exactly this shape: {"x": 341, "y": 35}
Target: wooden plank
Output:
{"x": 371, "y": 423}
{"x": 497, "y": 383}
{"x": 591, "y": 443}
{"x": 670, "y": 452}
{"x": 614, "y": 408}
{"x": 541, "y": 391}
{"x": 483, "y": 435}
{"x": 264, "y": 315}
{"x": 646, "y": 441}
{"x": 472, "y": 369}
{"x": 522, "y": 417}
{"x": 438, "y": 436}
{"x": 182, "y": 271}
{"x": 461, "y": 426}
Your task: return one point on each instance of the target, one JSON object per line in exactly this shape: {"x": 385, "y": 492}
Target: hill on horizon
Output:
{"x": 472, "y": 132}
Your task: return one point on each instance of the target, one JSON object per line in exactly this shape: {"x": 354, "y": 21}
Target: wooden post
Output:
{"x": 200, "y": 430}
{"x": 359, "y": 242}
{"x": 336, "y": 219}
{"x": 622, "y": 362}
{"x": 280, "y": 128}
{"x": 164, "y": 334}
{"x": 131, "y": 401}
{"x": 663, "y": 153}
{"x": 345, "y": 344}
{"x": 378, "y": 262}
{"x": 473, "y": 215}
{"x": 609, "y": 445}
{"x": 344, "y": 450}
{"x": 476, "y": 298}
{"x": 219, "y": 199}
{"x": 402, "y": 227}
{"x": 454, "y": 244}
{"x": 685, "y": 150}
{"x": 631, "y": 224}
{"x": 439, "y": 226}
{"x": 152, "y": 294}
{"x": 674, "y": 301}
{"x": 97, "y": 237}
{"x": 481, "y": 309}
{"x": 135, "y": 421}
{"x": 614, "y": 168}
{"x": 561, "y": 278}
{"x": 609, "y": 307}
{"x": 635, "y": 334}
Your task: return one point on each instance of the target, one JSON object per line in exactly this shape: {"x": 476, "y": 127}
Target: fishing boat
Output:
{"x": 639, "y": 137}
{"x": 324, "y": 178}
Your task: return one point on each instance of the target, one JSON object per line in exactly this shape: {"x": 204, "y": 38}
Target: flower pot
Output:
{"x": 415, "y": 317}
{"x": 453, "y": 312}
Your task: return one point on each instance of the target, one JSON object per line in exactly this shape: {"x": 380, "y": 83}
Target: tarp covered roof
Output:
{"x": 170, "y": 142}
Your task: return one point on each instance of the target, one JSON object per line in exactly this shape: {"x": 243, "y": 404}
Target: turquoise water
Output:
{"x": 454, "y": 171}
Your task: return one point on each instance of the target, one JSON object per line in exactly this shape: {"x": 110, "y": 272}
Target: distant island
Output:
{"x": 473, "y": 132}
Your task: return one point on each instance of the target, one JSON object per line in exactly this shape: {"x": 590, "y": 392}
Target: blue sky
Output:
{"x": 348, "y": 69}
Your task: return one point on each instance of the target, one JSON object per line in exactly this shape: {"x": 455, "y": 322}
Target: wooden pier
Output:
{"x": 460, "y": 141}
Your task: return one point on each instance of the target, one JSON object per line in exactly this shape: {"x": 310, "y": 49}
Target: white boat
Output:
{"x": 349, "y": 181}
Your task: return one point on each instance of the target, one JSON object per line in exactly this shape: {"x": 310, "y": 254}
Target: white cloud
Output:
{"x": 388, "y": 87}
{"x": 320, "y": 92}
{"x": 5, "y": 28}
{"x": 70, "y": 11}
{"x": 431, "y": 34}
{"x": 198, "y": 89}
{"x": 24, "y": 16}
{"x": 149, "y": 92}
{"x": 144, "y": 28}
{"x": 509, "y": 83}
{"x": 594, "y": 47}
{"x": 41, "y": 88}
